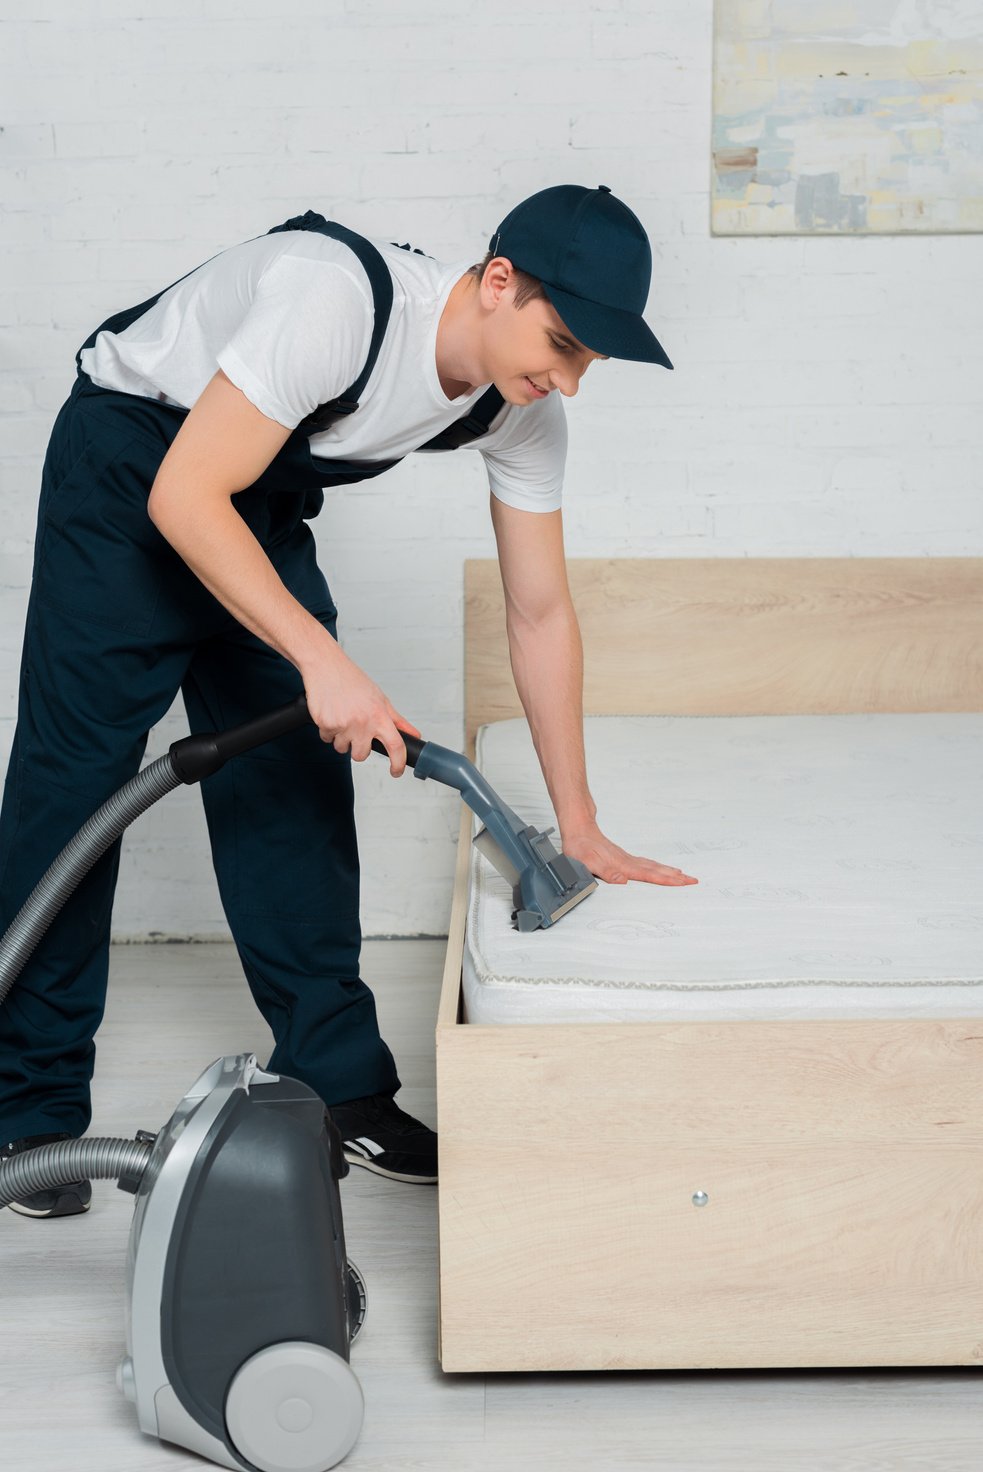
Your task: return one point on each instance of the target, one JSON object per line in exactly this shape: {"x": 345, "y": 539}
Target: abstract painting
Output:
{"x": 847, "y": 117}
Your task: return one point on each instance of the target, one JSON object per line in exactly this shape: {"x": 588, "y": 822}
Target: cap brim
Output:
{"x": 607, "y": 330}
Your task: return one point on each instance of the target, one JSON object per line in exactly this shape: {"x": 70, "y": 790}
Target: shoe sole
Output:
{"x": 390, "y": 1175}
{"x": 75, "y": 1210}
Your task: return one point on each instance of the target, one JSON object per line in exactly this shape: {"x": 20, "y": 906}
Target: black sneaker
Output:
{"x": 379, "y": 1136}
{"x": 59, "y": 1200}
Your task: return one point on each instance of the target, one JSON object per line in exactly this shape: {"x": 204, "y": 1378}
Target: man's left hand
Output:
{"x": 614, "y": 865}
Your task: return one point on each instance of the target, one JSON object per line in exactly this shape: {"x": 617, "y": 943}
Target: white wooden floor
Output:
{"x": 175, "y": 1007}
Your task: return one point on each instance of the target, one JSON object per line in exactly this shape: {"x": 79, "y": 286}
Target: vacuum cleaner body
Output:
{"x": 240, "y": 1303}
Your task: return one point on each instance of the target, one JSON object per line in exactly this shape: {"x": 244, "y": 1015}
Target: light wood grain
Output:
{"x": 841, "y": 1166}
{"x": 750, "y": 636}
{"x": 841, "y": 1161}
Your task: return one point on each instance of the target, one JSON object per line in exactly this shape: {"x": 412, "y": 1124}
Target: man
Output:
{"x": 173, "y": 552}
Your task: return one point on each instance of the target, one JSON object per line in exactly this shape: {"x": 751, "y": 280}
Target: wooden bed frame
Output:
{"x": 842, "y": 1161}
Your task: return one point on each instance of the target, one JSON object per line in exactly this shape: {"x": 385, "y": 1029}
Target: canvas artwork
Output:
{"x": 847, "y": 116}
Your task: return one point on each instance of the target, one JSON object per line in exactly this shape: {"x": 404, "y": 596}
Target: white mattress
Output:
{"x": 840, "y": 861}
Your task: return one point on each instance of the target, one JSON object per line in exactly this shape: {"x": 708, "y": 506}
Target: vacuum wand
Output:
{"x": 546, "y": 884}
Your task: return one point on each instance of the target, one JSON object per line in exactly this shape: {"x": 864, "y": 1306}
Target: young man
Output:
{"x": 173, "y": 552}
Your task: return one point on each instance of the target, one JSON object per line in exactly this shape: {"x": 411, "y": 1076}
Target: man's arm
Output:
{"x": 546, "y": 652}
{"x": 548, "y": 665}
{"x": 223, "y": 446}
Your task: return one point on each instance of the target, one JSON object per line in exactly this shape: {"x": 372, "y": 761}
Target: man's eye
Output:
{"x": 560, "y": 346}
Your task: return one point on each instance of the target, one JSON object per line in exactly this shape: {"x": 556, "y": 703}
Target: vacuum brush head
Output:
{"x": 546, "y": 888}
{"x": 546, "y": 884}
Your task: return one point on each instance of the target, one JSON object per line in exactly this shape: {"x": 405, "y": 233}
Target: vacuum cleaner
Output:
{"x": 241, "y": 1303}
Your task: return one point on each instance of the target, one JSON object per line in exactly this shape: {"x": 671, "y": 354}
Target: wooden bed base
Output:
{"x": 842, "y": 1162}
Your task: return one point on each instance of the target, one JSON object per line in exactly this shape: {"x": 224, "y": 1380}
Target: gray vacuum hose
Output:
{"x": 75, "y": 860}
{"x": 189, "y": 760}
{"x": 68, "y": 1161}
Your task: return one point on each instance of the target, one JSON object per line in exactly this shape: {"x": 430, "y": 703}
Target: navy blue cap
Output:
{"x": 595, "y": 262}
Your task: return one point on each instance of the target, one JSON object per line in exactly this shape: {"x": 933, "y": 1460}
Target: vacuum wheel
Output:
{"x": 357, "y": 1301}
{"x": 294, "y": 1407}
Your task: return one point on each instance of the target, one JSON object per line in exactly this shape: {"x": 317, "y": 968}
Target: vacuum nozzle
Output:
{"x": 548, "y": 887}
{"x": 546, "y": 884}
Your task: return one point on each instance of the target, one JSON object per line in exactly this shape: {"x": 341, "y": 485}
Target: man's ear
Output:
{"x": 499, "y": 275}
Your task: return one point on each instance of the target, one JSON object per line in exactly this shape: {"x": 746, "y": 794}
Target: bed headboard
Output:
{"x": 749, "y": 636}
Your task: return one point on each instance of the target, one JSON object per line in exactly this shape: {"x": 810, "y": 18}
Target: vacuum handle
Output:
{"x": 197, "y": 757}
{"x": 413, "y": 746}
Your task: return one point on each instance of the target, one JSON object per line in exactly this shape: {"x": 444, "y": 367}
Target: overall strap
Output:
{"x": 382, "y": 297}
{"x": 120, "y": 321}
{"x": 471, "y": 427}
{"x": 463, "y": 431}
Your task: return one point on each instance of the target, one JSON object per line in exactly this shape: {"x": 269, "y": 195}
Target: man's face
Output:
{"x": 528, "y": 351}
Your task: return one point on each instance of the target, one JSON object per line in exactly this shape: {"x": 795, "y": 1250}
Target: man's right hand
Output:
{"x": 349, "y": 709}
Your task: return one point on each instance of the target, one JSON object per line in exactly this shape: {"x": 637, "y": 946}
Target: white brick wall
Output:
{"x": 826, "y": 393}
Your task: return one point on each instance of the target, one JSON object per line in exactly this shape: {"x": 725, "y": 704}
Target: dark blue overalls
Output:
{"x": 117, "y": 623}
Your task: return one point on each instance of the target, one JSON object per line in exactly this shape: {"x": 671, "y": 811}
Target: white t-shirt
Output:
{"x": 288, "y": 319}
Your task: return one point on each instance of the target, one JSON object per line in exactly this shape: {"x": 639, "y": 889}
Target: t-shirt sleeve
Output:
{"x": 525, "y": 455}
{"x": 303, "y": 341}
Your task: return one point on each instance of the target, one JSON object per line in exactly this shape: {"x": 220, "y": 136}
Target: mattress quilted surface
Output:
{"x": 840, "y": 861}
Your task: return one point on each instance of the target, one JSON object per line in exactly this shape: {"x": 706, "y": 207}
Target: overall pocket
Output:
{"x": 99, "y": 556}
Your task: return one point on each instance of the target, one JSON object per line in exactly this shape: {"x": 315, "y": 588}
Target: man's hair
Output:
{"x": 527, "y": 288}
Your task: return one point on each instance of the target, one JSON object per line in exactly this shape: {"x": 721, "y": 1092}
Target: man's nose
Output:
{"x": 567, "y": 379}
